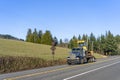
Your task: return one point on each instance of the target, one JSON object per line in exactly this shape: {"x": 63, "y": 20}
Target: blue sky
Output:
{"x": 64, "y": 18}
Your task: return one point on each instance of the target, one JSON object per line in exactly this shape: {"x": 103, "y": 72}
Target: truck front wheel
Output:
{"x": 81, "y": 61}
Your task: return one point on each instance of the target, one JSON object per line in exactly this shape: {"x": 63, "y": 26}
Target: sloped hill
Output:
{"x": 20, "y": 48}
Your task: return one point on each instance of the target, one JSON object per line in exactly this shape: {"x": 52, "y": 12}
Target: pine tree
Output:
{"x": 73, "y": 42}
{"x": 61, "y": 42}
{"x": 92, "y": 40}
{"x": 111, "y": 45}
{"x": 35, "y": 36}
{"x": 47, "y": 38}
{"x": 29, "y": 37}
{"x": 84, "y": 37}
{"x": 117, "y": 38}
{"x": 79, "y": 37}
{"x": 55, "y": 40}
{"x": 103, "y": 41}
{"x": 40, "y": 36}
{"x": 98, "y": 45}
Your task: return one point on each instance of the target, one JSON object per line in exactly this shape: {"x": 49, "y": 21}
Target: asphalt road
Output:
{"x": 103, "y": 69}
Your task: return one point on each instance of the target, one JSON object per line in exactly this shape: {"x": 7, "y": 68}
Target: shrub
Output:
{"x": 13, "y": 64}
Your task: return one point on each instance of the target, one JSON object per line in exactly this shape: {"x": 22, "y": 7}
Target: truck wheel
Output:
{"x": 92, "y": 59}
{"x": 81, "y": 61}
{"x": 69, "y": 63}
{"x": 85, "y": 60}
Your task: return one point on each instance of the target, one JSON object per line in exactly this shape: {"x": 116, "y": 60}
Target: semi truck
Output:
{"x": 80, "y": 54}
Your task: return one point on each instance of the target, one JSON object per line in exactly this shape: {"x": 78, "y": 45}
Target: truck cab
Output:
{"x": 80, "y": 54}
{"x": 76, "y": 56}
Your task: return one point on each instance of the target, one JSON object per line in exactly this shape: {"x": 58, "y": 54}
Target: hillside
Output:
{"x": 20, "y": 48}
{"x": 6, "y": 36}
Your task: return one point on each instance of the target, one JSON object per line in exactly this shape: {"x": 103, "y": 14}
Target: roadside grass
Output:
{"x": 16, "y": 63}
{"x": 99, "y": 55}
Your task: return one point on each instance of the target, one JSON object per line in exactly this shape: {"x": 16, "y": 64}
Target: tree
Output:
{"x": 66, "y": 42}
{"x": 61, "y": 42}
{"x": 29, "y": 37}
{"x": 102, "y": 44}
{"x": 40, "y": 36}
{"x": 111, "y": 45}
{"x": 84, "y": 37}
{"x": 92, "y": 42}
{"x": 35, "y": 36}
{"x": 55, "y": 40}
{"x": 73, "y": 42}
{"x": 79, "y": 37}
{"x": 117, "y": 38}
{"x": 47, "y": 38}
{"x": 98, "y": 45}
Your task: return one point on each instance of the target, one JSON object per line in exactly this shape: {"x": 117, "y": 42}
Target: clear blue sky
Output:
{"x": 64, "y": 18}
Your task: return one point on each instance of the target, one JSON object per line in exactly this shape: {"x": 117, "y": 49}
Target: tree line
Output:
{"x": 40, "y": 37}
{"x": 107, "y": 43}
{"x": 6, "y": 36}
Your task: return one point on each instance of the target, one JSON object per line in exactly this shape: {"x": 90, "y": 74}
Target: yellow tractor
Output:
{"x": 81, "y": 54}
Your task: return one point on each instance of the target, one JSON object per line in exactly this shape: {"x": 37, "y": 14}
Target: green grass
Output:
{"x": 26, "y": 49}
{"x": 99, "y": 55}
{"x": 19, "y": 48}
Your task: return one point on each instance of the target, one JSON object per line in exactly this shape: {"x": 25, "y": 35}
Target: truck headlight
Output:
{"x": 68, "y": 57}
{"x": 77, "y": 57}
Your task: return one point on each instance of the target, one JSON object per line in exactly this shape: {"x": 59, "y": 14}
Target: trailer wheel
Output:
{"x": 93, "y": 59}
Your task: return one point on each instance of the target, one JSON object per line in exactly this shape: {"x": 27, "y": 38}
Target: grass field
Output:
{"x": 19, "y": 48}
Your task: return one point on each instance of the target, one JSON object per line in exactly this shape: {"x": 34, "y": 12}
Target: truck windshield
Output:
{"x": 75, "y": 50}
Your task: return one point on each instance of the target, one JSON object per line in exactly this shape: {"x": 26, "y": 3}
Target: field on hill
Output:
{"x": 26, "y": 49}
{"x": 19, "y": 48}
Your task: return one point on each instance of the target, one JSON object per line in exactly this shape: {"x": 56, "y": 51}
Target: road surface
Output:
{"x": 103, "y": 69}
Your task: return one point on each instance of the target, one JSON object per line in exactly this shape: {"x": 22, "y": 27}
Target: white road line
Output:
{"x": 90, "y": 71}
